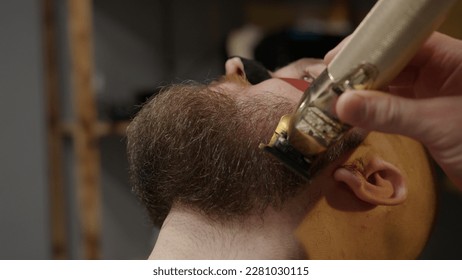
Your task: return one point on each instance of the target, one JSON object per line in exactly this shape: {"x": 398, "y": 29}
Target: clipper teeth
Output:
{"x": 292, "y": 158}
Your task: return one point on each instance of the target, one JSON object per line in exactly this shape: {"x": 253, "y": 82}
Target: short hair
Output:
{"x": 195, "y": 147}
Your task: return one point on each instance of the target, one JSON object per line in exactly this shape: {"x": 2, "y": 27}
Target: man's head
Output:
{"x": 196, "y": 147}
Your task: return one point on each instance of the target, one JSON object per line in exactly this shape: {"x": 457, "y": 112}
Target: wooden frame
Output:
{"x": 59, "y": 236}
{"x": 85, "y": 137}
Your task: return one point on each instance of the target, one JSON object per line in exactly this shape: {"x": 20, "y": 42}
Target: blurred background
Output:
{"x": 73, "y": 72}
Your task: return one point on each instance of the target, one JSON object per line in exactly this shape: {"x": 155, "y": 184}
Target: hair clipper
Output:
{"x": 377, "y": 51}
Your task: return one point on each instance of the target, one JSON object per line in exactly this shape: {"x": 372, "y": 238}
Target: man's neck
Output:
{"x": 189, "y": 235}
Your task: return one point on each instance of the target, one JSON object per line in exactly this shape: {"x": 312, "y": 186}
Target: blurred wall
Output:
{"x": 24, "y": 222}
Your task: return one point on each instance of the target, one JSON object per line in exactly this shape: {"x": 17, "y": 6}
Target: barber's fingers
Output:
{"x": 423, "y": 119}
{"x": 436, "y": 122}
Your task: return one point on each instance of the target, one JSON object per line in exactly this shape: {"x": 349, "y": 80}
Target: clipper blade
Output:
{"x": 291, "y": 157}
{"x": 280, "y": 147}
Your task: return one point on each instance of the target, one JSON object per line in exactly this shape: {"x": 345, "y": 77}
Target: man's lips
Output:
{"x": 301, "y": 85}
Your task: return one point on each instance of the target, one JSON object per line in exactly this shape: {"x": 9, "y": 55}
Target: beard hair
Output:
{"x": 195, "y": 148}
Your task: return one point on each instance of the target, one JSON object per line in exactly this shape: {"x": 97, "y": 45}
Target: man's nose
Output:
{"x": 234, "y": 65}
{"x": 252, "y": 70}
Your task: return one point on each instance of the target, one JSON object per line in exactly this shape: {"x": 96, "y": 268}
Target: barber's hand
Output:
{"x": 424, "y": 102}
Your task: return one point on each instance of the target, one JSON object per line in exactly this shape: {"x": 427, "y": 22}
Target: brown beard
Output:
{"x": 197, "y": 148}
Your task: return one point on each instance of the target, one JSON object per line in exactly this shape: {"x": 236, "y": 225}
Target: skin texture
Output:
{"x": 423, "y": 103}
{"x": 376, "y": 201}
{"x": 350, "y": 221}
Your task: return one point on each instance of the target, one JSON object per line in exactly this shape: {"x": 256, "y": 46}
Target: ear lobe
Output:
{"x": 380, "y": 183}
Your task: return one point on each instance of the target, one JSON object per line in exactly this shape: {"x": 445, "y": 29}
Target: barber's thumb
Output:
{"x": 374, "y": 110}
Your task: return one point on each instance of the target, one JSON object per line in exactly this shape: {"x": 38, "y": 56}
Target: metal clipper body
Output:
{"x": 314, "y": 125}
{"x": 377, "y": 51}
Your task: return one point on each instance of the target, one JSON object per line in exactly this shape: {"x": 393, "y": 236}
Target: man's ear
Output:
{"x": 379, "y": 183}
